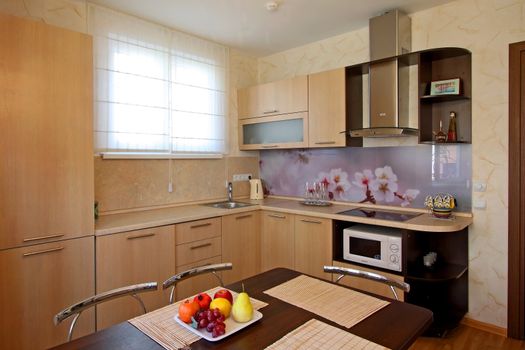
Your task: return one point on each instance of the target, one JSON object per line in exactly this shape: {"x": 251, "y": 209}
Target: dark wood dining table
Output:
{"x": 395, "y": 326}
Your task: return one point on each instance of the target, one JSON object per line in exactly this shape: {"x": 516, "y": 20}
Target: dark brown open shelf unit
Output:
{"x": 433, "y": 64}
{"x": 442, "y": 288}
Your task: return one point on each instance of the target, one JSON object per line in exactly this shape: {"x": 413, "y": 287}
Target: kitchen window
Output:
{"x": 157, "y": 92}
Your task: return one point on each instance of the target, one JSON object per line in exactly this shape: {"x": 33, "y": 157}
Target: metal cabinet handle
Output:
{"x": 200, "y": 246}
{"x": 277, "y": 216}
{"x": 271, "y": 146}
{"x": 325, "y": 143}
{"x": 201, "y": 225}
{"x": 243, "y": 217}
{"x": 141, "y": 236}
{"x": 271, "y": 111}
{"x": 43, "y": 251}
{"x": 42, "y": 237}
{"x": 311, "y": 221}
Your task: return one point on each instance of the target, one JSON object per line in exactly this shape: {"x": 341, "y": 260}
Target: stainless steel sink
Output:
{"x": 228, "y": 205}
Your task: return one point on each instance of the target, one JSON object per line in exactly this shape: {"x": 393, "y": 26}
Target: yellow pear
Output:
{"x": 242, "y": 310}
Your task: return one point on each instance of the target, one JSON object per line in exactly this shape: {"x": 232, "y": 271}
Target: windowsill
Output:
{"x": 119, "y": 155}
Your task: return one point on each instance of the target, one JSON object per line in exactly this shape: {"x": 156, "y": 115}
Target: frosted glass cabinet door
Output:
{"x": 287, "y": 131}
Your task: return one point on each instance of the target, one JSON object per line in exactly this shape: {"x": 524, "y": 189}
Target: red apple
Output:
{"x": 224, "y": 293}
{"x": 203, "y": 300}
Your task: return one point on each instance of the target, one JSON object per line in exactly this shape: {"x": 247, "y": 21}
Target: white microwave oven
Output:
{"x": 373, "y": 245}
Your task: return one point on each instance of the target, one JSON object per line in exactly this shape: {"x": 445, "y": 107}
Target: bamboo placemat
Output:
{"x": 160, "y": 326}
{"x": 315, "y": 334}
{"x": 340, "y": 305}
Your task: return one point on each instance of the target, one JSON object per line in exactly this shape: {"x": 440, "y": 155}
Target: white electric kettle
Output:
{"x": 256, "y": 189}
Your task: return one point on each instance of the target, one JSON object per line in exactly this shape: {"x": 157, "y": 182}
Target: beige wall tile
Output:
{"x": 242, "y": 165}
{"x": 123, "y": 184}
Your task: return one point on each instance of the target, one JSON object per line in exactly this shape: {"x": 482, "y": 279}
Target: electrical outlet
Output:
{"x": 480, "y": 204}
{"x": 170, "y": 187}
{"x": 480, "y": 187}
{"x": 241, "y": 177}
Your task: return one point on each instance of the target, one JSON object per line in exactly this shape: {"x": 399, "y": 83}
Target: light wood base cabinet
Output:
{"x": 198, "y": 243}
{"x": 313, "y": 245}
{"x": 241, "y": 245}
{"x": 277, "y": 240}
{"x": 367, "y": 285}
{"x": 129, "y": 258}
{"x": 37, "y": 283}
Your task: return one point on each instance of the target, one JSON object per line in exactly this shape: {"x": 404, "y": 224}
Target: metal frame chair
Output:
{"x": 344, "y": 271}
{"x": 77, "y": 308}
{"x": 199, "y": 270}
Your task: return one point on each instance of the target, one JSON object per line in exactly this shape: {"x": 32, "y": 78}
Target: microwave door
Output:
{"x": 368, "y": 248}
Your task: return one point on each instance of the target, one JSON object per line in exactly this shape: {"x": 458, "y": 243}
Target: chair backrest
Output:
{"x": 343, "y": 271}
{"x": 199, "y": 270}
{"x": 77, "y": 308}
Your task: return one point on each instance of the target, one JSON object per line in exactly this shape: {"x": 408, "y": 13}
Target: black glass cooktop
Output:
{"x": 379, "y": 214}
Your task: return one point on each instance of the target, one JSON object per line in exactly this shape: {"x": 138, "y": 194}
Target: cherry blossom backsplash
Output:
{"x": 399, "y": 176}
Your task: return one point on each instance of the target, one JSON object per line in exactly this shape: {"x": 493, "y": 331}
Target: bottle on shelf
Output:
{"x": 452, "y": 135}
{"x": 440, "y": 136}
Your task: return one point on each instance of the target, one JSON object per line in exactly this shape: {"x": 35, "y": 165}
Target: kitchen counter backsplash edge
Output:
{"x": 136, "y": 220}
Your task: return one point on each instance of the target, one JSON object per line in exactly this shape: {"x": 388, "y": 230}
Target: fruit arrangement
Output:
{"x": 203, "y": 312}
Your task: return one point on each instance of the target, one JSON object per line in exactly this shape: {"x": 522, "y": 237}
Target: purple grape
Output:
{"x": 221, "y": 318}
{"x": 217, "y": 313}
{"x": 210, "y": 326}
{"x": 203, "y": 323}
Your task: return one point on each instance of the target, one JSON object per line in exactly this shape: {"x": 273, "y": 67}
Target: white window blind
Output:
{"x": 156, "y": 90}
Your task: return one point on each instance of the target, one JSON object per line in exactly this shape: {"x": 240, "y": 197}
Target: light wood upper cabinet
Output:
{"x": 46, "y": 131}
{"x": 275, "y": 98}
{"x": 313, "y": 245}
{"x": 133, "y": 257}
{"x": 367, "y": 285}
{"x": 241, "y": 245}
{"x": 37, "y": 283}
{"x": 277, "y": 240}
{"x": 327, "y": 109}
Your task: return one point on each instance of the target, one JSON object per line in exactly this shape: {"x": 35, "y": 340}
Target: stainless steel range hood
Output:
{"x": 390, "y": 36}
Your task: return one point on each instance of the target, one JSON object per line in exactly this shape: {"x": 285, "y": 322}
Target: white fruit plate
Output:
{"x": 231, "y": 326}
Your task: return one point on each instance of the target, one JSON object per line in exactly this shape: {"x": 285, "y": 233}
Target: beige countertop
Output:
{"x": 114, "y": 223}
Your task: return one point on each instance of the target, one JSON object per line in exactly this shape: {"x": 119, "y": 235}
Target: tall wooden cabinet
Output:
{"x": 46, "y": 132}
{"x": 133, "y": 257}
{"x": 46, "y": 181}
{"x": 241, "y": 245}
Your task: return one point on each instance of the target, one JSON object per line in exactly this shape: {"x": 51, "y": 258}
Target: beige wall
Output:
{"x": 485, "y": 27}
{"x": 132, "y": 184}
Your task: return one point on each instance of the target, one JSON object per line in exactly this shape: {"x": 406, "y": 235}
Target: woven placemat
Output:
{"x": 160, "y": 326}
{"x": 335, "y": 303}
{"x": 315, "y": 334}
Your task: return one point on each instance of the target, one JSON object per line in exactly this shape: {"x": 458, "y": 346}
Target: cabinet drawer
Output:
{"x": 194, "y": 251}
{"x": 198, "y": 230}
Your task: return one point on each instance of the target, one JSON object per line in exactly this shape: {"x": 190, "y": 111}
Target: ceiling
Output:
{"x": 248, "y": 26}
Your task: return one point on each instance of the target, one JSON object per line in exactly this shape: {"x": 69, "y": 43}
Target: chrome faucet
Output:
{"x": 230, "y": 192}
